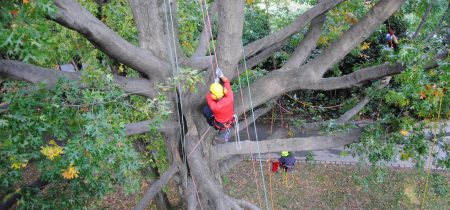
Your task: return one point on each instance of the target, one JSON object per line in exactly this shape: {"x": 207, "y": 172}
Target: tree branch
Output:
{"x": 229, "y": 38}
{"x": 35, "y": 74}
{"x": 200, "y": 63}
{"x": 359, "y": 77}
{"x": 291, "y": 29}
{"x": 191, "y": 196}
{"x": 303, "y": 50}
{"x": 229, "y": 163}
{"x": 258, "y": 58}
{"x": 257, "y": 114}
{"x": 205, "y": 36}
{"x": 283, "y": 82}
{"x": 246, "y": 204}
{"x": 156, "y": 187}
{"x": 291, "y": 144}
{"x": 441, "y": 20}
{"x": 353, "y": 37}
{"x": 424, "y": 19}
{"x": 9, "y": 200}
{"x": 73, "y": 16}
{"x": 356, "y": 109}
{"x": 144, "y": 127}
{"x": 154, "y": 24}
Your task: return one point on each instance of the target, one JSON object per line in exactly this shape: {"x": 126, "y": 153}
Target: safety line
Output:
{"x": 210, "y": 31}
{"x": 431, "y": 151}
{"x": 199, "y": 142}
{"x": 173, "y": 53}
{"x": 208, "y": 27}
{"x": 270, "y": 179}
{"x": 196, "y": 191}
{"x": 215, "y": 56}
{"x": 248, "y": 136}
{"x": 256, "y": 133}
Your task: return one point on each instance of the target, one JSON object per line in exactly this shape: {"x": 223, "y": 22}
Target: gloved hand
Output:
{"x": 219, "y": 72}
{"x": 216, "y": 80}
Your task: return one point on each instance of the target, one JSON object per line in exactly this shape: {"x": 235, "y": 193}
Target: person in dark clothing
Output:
{"x": 287, "y": 160}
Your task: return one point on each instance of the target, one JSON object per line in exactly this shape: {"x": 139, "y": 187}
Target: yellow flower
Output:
{"x": 322, "y": 40}
{"x": 404, "y": 133}
{"x": 365, "y": 46}
{"x": 18, "y": 166}
{"x": 52, "y": 151}
{"x": 70, "y": 173}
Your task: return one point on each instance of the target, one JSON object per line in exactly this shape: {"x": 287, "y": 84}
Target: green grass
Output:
{"x": 334, "y": 187}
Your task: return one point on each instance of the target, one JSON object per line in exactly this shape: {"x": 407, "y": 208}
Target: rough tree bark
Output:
{"x": 152, "y": 59}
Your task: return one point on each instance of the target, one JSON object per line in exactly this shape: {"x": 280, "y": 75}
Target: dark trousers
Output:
{"x": 209, "y": 116}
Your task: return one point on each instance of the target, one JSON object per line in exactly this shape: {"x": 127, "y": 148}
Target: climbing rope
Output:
{"x": 254, "y": 126}
{"x": 432, "y": 150}
{"x": 208, "y": 24}
{"x": 175, "y": 71}
{"x": 196, "y": 191}
{"x": 270, "y": 180}
{"x": 236, "y": 132}
{"x": 248, "y": 136}
{"x": 199, "y": 142}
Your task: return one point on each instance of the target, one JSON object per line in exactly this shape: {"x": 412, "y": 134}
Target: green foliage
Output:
{"x": 24, "y": 29}
{"x": 333, "y": 127}
{"x": 188, "y": 79}
{"x": 256, "y": 25}
{"x": 310, "y": 158}
{"x": 190, "y": 23}
{"x": 246, "y": 78}
{"x": 88, "y": 125}
{"x": 439, "y": 184}
{"x": 117, "y": 15}
{"x": 375, "y": 145}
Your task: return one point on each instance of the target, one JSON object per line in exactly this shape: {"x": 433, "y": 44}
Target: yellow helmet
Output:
{"x": 284, "y": 153}
{"x": 217, "y": 90}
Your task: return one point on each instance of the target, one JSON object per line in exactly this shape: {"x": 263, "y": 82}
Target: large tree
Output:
{"x": 158, "y": 56}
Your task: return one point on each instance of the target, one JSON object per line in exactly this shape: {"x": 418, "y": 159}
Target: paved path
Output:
{"x": 339, "y": 155}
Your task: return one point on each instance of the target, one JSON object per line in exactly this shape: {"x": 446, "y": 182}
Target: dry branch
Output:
{"x": 156, "y": 187}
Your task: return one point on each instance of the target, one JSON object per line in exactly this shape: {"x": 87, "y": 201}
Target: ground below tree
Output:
{"x": 320, "y": 186}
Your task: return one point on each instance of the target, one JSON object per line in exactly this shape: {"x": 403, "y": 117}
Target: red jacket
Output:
{"x": 222, "y": 109}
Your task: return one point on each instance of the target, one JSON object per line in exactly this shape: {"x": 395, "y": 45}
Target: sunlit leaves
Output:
{"x": 52, "y": 150}
{"x": 70, "y": 173}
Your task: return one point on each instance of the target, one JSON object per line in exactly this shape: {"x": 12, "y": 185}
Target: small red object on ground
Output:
{"x": 275, "y": 166}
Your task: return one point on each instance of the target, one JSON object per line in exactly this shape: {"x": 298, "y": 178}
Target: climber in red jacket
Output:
{"x": 219, "y": 112}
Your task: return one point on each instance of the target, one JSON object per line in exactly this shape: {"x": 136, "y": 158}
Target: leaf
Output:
{"x": 365, "y": 46}
{"x": 3, "y": 123}
{"x": 344, "y": 153}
